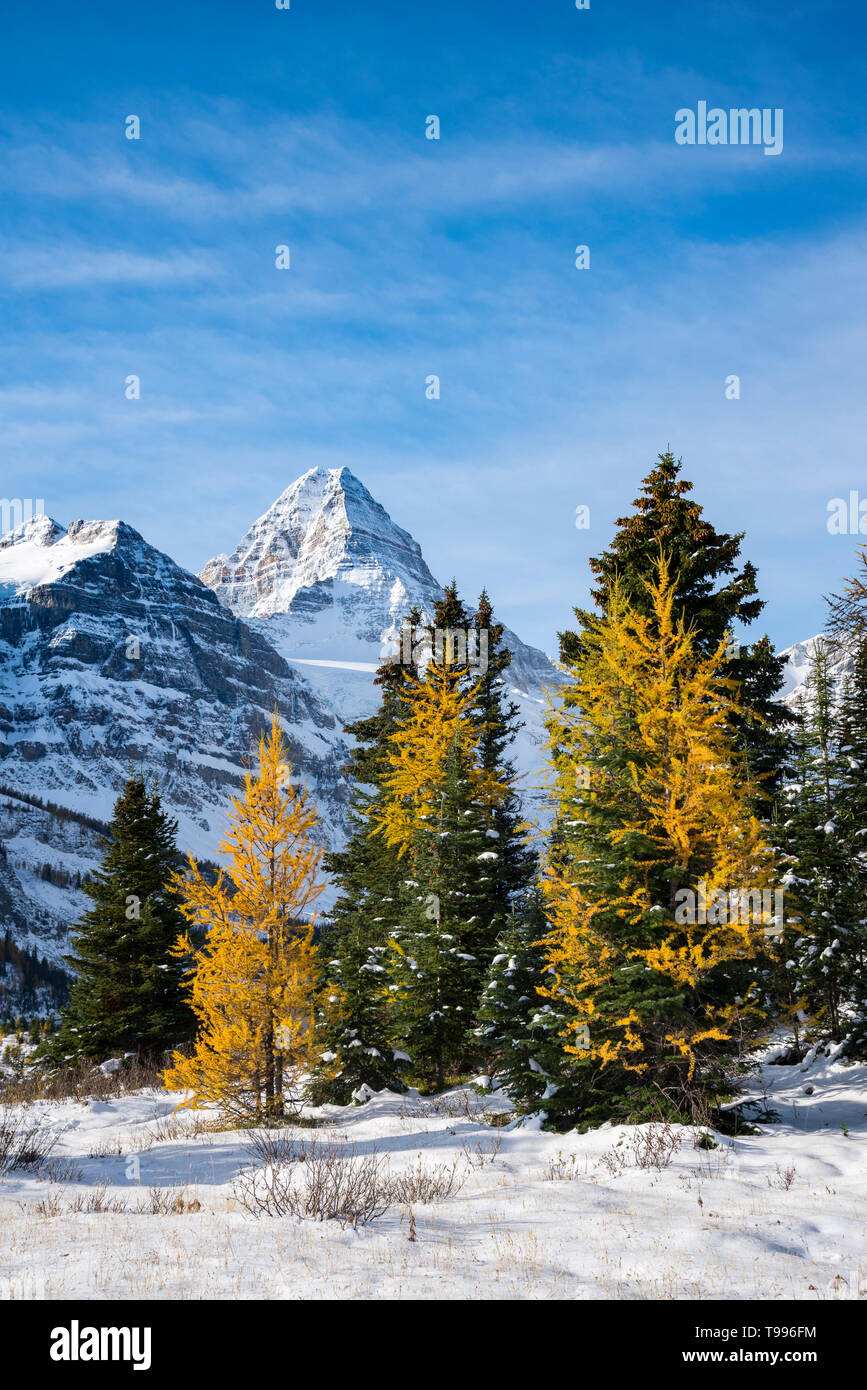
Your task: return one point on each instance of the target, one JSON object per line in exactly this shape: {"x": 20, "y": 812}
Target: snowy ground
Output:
{"x": 776, "y": 1215}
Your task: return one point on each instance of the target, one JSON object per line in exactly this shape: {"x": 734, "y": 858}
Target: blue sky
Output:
{"x": 455, "y": 257}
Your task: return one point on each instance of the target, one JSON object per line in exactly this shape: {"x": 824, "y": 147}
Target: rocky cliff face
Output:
{"x": 327, "y": 578}
{"x": 326, "y": 575}
{"x": 44, "y": 855}
{"x": 799, "y": 659}
{"x": 112, "y": 655}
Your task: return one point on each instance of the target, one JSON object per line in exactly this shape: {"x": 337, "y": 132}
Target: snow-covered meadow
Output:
{"x": 138, "y": 1202}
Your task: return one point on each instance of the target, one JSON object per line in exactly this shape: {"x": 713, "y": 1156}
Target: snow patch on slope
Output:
{"x": 41, "y": 551}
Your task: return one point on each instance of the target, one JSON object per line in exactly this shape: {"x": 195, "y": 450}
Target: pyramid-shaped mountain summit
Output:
{"x": 328, "y": 577}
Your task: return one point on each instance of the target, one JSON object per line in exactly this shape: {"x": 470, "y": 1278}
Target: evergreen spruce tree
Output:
{"x": 507, "y": 865}
{"x": 508, "y": 877}
{"x": 653, "y": 812}
{"x": 714, "y": 591}
{"x": 823, "y": 836}
{"x": 354, "y": 1048}
{"x": 848, "y": 631}
{"x": 816, "y": 851}
{"x": 439, "y": 948}
{"x": 852, "y": 831}
{"x": 128, "y": 993}
{"x": 435, "y": 856}
{"x": 354, "y": 1024}
{"x": 367, "y": 871}
{"x": 848, "y": 610}
{"x": 435, "y": 813}
{"x": 519, "y": 1031}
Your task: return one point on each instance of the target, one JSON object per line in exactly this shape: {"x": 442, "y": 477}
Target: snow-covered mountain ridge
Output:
{"x": 799, "y": 659}
{"x": 112, "y": 655}
{"x": 327, "y": 576}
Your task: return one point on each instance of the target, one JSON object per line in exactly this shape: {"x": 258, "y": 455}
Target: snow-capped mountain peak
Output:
{"x": 41, "y": 551}
{"x": 325, "y": 531}
{"x": 328, "y": 577}
{"x": 799, "y": 661}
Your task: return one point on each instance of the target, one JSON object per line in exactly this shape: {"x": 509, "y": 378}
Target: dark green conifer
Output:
{"x": 439, "y": 953}
{"x": 852, "y": 829}
{"x": 354, "y": 1017}
{"x": 128, "y": 992}
{"x": 715, "y": 593}
{"x": 519, "y": 1030}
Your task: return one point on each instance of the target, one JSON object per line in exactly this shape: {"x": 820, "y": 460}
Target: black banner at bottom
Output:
{"x": 144, "y": 1338}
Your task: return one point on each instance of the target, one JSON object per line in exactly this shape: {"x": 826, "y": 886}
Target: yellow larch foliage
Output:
{"x": 435, "y": 717}
{"x": 652, "y": 797}
{"x": 253, "y": 982}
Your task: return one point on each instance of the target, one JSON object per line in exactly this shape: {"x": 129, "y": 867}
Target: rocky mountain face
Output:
{"x": 326, "y": 575}
{"x": 45, "y": 852}
{"x": 330, "y": 557}
{"x": 111, "y": 655}
{"x": 327, "y": 578}
{"x": 799, "y": 659}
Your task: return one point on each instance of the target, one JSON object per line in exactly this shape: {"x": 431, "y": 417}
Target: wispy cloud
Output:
{"x": 317, "y": 167}
{"x": 61, "y": 266}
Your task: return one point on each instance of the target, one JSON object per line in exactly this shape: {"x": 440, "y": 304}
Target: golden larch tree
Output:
{"x": 654, "y": 822}
{"x": 253, "y": 981}
{"x": 434, "y": 721}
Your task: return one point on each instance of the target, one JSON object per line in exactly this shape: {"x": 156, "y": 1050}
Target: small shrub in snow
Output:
{"x": 483, "y": 1151}
{"x": 271, "y": 1149}
{"x": 159, "y": 1201}
{"x": 651, "y": 1146}
{"x": 564, "y": 1168}
{"x": 329, "y": 1182}
{"x": 326, "y": 1183}
{"x": 106, "y": 1148}
{"x": 168, "y": 1201}
{"x": 615, "y": 1161}
{"x": 23, "y": 1144}
{"x": 60, "y": 1170}
{"x": 783, "y": 1177}
{"x": 94, "y": 1200}
{"x": 52, "y": 1204}
{"x": 656, "y": 1145}
{"x": 426, "y": 1185}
